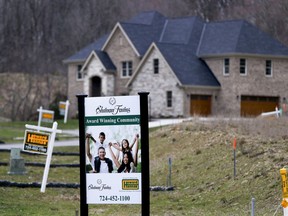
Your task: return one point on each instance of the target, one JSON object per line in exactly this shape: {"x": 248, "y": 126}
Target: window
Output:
{"x": 80, "y": 74}
{"x": 156, "y": 66}
{"x": 268, "y": 71}
{"x": 226, "y": 66}
{"x": 169, "y": 98}
{"x": 243, "y": 70}
{"x": 127, "y": 69}
{"x": 120, "y": 40}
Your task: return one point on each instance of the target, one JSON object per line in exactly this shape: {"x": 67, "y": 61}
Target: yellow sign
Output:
{"x": 36, "y": 141}
{"x": 62, "y": 106}
{"x": 283, "y": 173}
{"x": 130, "y": 184}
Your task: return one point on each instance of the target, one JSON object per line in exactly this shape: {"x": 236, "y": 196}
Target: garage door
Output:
{"x": 200, "y": 105}
{"x": 255, "y": 105}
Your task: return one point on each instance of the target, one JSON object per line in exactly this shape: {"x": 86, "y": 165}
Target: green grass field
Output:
{"x": 202, "y": 173}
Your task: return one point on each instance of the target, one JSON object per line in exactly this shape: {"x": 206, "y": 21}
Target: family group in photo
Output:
{"x": 123, "y": 156}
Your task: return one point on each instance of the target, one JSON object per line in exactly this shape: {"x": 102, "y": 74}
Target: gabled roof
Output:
{"x": 189, "y": 69}
{"x": 104, "y": 60}
{"x": 141, "y": 31}
{"x": 238, "y": 37}
{"x": 83, "y": 54}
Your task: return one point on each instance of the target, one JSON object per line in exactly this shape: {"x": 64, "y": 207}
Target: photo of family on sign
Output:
{"x": 104, "y": 156}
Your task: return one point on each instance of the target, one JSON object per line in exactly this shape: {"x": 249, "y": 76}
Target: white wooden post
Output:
{"x": 66, "y": 111}
{"x": 40, "y": 116}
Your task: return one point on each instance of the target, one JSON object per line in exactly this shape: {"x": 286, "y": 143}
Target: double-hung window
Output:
{"x": 156, "y": 66}
{"x": 80, "y": 74}
{"x": 226, "y": 66}
{"x": 126, "y": 68}
{"x": 243, "y": 67}
{"x": 169, "y": 98}
{"x": 268, "y": 69}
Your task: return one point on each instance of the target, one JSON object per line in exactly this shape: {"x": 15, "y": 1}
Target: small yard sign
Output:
{"x": 36, "y": 142}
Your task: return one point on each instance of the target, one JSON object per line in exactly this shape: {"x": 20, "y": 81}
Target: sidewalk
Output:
{"x": 75, "y": 133}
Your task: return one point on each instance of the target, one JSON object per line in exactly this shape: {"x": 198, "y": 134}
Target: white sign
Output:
{"x": 113, "y": 123}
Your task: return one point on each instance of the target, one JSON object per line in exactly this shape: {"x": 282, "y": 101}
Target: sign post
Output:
{"x": 145, "y": 152}
{"x": 38, "y": 142}
{"x": 63, "y": 109}
{"x": 234, "y": 154}
{"x": 45, "y": 116}
{"x": 81, "y": 115}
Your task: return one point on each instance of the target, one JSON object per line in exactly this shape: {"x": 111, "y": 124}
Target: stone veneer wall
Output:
{"x": 255, "y": 83}
{"x": 74, "y": 87}
{"x": 95, "y": 68}
{"x": 157, "y": 85}
{"x": 119, "y": 50}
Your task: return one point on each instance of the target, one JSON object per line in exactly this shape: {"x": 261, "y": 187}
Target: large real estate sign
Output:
{"x": 113, "y": 150}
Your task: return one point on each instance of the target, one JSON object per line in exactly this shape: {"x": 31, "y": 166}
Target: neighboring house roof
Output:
{"x": 238, "y": 37}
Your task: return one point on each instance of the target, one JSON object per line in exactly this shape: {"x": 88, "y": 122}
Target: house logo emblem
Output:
{"x": 112, "y": 101}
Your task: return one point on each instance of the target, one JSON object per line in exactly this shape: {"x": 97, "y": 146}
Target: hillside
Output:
{"x": 202, "y": 173}
{"x": 203, "y": 170}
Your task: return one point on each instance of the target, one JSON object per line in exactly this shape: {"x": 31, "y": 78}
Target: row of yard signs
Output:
{"x": 40, "y": 140}
{"x": 48, "y": 115}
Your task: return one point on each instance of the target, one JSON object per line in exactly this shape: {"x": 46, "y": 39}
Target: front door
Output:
{"x": 95, "y": 86}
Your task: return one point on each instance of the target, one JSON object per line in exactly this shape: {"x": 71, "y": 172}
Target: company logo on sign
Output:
{"x": 100, "y": 186}
{"x": 130, "y": 184}
{"x": 112, "y": 110}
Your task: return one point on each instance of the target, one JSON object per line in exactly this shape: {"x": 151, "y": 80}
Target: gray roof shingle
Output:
{"x": 189, "y": 69}
{"x": 83, "y": 54}
{"x": 238, "y": 37}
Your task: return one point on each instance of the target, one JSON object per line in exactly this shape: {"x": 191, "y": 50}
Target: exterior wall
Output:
{"x": 95, "y": 68}
{"x": 254, "y": 83}
{"x": 158, "y": 85}
{"x": 74, "y": 87}
{"x": 120, "y": 50}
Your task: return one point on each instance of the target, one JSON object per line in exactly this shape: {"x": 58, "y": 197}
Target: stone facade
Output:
{"x": 95, "y": 68}
{"x": 158, "y": 85}
{"x": 75, "y": 87}
{"x": 120, "y": 50}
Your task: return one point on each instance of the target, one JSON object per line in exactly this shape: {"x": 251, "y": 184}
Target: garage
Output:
{"x": 252, "y": 106}
{"x": 200, "y": 105}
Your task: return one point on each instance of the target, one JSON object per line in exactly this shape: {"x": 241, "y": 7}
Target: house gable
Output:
{"x": 158, "y": 85}
{"x": 111, "y": 37}
{"x": 152, "y": 48}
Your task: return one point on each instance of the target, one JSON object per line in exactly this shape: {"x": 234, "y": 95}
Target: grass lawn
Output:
{"x": 202, "y": 173}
